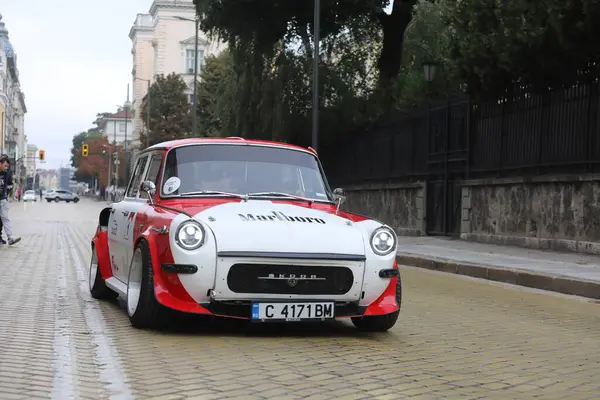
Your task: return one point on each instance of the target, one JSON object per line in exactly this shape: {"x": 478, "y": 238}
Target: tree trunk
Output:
{"x": 393, "y": 27}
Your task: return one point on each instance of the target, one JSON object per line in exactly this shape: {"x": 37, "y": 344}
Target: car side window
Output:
{"x": 136, "y": 178}
{"x": 152, "y": 172}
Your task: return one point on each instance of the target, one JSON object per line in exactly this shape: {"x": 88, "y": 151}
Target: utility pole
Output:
{"x": 148, "y": 115}
{"x": 196, "y": 22}
{"x": 116, "y": 156}
{"x": 195, "y": 100}
{"x": 315, "y": 99}
{"x": 126, "y": 150}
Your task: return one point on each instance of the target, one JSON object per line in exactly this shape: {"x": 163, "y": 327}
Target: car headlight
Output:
{"x": 383, "y": 241}
{"x": 190, "y": 235}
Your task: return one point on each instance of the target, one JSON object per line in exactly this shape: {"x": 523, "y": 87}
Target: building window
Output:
{"x": 189, "y": 60}
{"x": 121, "y": 127}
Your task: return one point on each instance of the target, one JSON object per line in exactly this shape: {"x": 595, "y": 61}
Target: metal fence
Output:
{"x": 525, "y": 134}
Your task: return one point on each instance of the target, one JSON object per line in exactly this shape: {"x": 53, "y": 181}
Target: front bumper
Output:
{"x": 243, "y": 309}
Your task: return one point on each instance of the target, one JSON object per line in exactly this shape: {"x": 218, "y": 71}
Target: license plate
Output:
{"x": 292, "y": 311}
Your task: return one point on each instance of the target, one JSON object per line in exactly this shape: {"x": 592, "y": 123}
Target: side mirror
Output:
{"x": 339, "y": 197}
{"x": 149, "y": 188}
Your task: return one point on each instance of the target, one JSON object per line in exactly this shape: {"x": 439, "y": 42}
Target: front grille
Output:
{"x": 289, "y": 279}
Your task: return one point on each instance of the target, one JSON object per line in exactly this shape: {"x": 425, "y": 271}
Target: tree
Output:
{"x": 82, "y": 137}
{"x": 534, "y": 44}
{"x": 169, "y": 110}
{"x": 266, "y": 23}
{"x": 78, "y": 140}
{"x": 95, "y": 165}
{"x": 215, "y": 94}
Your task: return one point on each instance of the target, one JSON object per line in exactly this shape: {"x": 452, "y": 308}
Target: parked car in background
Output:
{"x": 29, "y": 195}
{"x": 61, "y": 195}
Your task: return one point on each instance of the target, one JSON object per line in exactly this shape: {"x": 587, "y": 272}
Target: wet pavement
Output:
{"x": 457, "y": 338}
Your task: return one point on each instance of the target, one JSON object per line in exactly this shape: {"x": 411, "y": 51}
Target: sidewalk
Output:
{"x": 569, "y": 273}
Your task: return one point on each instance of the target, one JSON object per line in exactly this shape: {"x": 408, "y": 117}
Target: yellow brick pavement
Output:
{"x": 457, "y": 338}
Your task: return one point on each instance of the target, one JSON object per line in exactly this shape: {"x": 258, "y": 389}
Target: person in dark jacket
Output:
{"x": 6, "y": 183}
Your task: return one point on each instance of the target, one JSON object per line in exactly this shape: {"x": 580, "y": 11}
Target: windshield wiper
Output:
{"x": 279, "y": 194}
{"x": 213, "y": 192}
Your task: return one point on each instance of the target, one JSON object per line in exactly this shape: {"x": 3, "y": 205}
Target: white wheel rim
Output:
{"x": 134, "y": 286}
{"x": 93, "y": 268}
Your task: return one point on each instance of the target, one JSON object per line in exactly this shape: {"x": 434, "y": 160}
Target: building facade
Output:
{"x": 66, "y": 178}
{"x": 30, "y": 160}
{"x": 118, "y": 127}
{"x": 162, "y": 43}
{"x": 13, "y": 140}
{"x": 48, "y": 179}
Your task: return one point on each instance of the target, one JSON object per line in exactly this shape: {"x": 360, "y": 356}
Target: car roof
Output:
{"x": 228, "y": 140}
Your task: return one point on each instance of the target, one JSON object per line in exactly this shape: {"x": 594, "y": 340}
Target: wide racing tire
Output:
{"x": 380, "y": 323}
{"x": 144, "y": 311}
{"x": 98, "y": 288}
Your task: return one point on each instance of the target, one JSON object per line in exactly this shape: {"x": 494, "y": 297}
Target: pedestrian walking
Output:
{"x": 6, "y": 183}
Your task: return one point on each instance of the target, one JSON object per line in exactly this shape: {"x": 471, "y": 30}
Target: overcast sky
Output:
{"x": 74, "y": 60}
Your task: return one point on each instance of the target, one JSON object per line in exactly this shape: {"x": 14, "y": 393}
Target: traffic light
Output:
{"x": 84, "y": 150}
{"x": 42, "y": 155}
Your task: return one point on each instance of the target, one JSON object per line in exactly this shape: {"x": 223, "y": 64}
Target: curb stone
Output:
{"x": 531, "y": 279}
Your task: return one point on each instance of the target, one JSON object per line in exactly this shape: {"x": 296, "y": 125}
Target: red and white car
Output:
{"x": 242, "y": 229}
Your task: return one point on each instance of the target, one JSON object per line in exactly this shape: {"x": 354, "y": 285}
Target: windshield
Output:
{"x": 243, "y": 170}
{"x": 29, "y": 192}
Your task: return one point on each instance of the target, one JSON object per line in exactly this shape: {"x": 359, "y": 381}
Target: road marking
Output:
{"x": 63, "y": 384}
{"x": 111, "y": 371}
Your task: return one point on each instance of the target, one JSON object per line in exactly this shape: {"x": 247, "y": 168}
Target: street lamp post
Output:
{"x": 315, "y": 100}
{"x": 148, "y": 114}
{"x": 127, "y": 106}
{"x": 194, "y": 100}
{"x": 147, "y": 109}
{"x": 429, "y": 68}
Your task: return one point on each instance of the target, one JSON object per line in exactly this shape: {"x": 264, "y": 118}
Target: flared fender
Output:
{"x": 100, "y": 243}
{"x": 167, "y": 287}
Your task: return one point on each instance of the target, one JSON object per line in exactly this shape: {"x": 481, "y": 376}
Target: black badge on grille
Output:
{"x": 292, "y": 282}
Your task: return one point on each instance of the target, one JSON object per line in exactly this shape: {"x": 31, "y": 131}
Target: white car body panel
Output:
{"x": 327, "y": 234}
{"x": 275, "y": 233}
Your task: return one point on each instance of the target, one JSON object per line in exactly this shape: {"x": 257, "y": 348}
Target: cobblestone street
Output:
{"x": 457, "y": 337}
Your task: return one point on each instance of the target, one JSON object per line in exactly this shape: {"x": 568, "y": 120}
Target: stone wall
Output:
{"x": 556, "y": 212}
{"x": 402, "y": 206}
{"x": 551, "y": 212}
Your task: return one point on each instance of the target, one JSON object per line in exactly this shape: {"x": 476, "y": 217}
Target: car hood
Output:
{"x": 266, "y": 226}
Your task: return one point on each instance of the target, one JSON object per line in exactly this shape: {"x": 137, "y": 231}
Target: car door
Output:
{"x": 152, "y": 174}
{"x": 132, "y": 206}
{"x": 116, "y": 231}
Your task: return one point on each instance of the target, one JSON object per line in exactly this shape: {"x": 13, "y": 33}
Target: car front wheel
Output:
{"x": 380, "y": 323}
{"x": 57, "y": 199}
{"x": 144, "y": 311}
{"x": 98, "y": 287}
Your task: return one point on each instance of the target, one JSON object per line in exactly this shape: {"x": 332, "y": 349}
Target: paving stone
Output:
{"x": 456, "y": 338}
